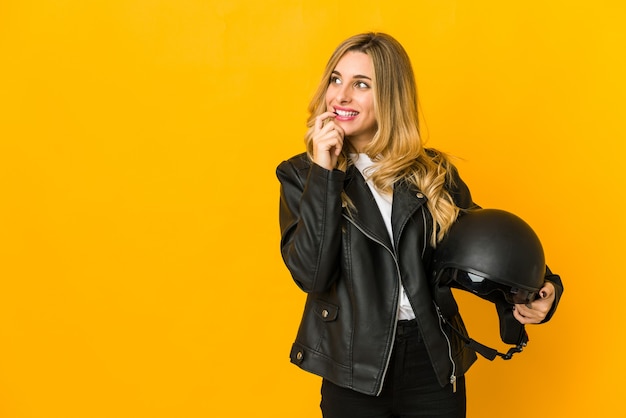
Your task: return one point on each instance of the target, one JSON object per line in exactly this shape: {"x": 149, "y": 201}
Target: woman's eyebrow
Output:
{"x": 355, "y": 76}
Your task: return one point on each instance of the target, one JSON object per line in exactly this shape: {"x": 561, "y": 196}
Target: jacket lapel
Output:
{"x": 406, "y": 200}
{"x": 366, "y": 215}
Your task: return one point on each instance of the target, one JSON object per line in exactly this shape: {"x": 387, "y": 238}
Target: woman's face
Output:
{"x": 350, "y": 96}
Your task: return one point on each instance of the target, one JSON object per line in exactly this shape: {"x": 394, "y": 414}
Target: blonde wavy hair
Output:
{"x": 396, "y": 149}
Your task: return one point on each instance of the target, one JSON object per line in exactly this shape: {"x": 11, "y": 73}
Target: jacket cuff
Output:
{"x": 334, "y": 175}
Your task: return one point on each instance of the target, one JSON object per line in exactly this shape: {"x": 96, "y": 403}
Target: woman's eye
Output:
{"x": 335, "y": 80}
{"x": 362, "y": 85}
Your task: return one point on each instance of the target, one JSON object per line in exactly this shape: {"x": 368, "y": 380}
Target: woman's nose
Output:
{"x": 343, "y": 94}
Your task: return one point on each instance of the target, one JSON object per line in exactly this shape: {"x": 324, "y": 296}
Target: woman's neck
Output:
{"x": 358, "y": 145}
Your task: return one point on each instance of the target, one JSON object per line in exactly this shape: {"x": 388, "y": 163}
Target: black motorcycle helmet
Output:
{"x": 495, "y": 255}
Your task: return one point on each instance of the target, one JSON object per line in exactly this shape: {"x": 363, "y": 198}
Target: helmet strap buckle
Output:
{"x": 511, "y": 331}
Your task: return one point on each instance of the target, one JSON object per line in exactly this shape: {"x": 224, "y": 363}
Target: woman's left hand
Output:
{"x": 536, "y": 311}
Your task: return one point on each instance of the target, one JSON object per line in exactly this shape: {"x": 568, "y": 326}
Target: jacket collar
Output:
{"x": 406, "y": 200}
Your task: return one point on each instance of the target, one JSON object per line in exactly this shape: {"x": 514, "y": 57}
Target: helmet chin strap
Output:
{"x": 511, "y": 330}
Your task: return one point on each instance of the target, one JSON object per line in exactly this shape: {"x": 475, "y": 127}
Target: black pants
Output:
{"x": 410, "y": 388}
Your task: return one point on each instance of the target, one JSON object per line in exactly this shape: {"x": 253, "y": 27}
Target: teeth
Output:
{"x": 346, "y": 113}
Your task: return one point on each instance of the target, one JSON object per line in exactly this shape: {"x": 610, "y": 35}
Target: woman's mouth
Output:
{"x": 345, "y": 114}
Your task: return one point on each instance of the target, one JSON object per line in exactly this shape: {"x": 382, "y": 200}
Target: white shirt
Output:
{"x": 384, "y": 200}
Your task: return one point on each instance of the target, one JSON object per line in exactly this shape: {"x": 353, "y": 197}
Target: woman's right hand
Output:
{"x": 327, "y": 141}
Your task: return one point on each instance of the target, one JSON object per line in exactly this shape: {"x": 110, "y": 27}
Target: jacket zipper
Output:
{"x": 440, "y": 319}
{"x": 395, "y": 322}
{"x": 453, "y": 375}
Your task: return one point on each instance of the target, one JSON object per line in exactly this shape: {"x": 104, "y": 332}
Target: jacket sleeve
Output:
{"x": 459, "y": 191}
{"x": 310, "y": 222}
{"x": 555, "y": 279}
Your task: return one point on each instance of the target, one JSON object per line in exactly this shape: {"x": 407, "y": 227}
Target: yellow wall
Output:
{"x": 140, "y": 273}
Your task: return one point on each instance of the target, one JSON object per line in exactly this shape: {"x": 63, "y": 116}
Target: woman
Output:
{"x": 360, "y": 214}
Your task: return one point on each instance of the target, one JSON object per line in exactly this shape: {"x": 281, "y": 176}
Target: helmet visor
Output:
{"x": 486, "y": 288}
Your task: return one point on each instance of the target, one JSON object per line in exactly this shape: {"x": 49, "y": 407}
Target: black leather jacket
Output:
{"x": 344, "y": 260}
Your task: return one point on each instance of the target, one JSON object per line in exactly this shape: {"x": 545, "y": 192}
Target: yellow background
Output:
{"x": 140, "y": 273}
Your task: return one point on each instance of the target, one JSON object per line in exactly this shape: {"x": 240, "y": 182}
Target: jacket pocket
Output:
{"x": 326, "y": 311}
